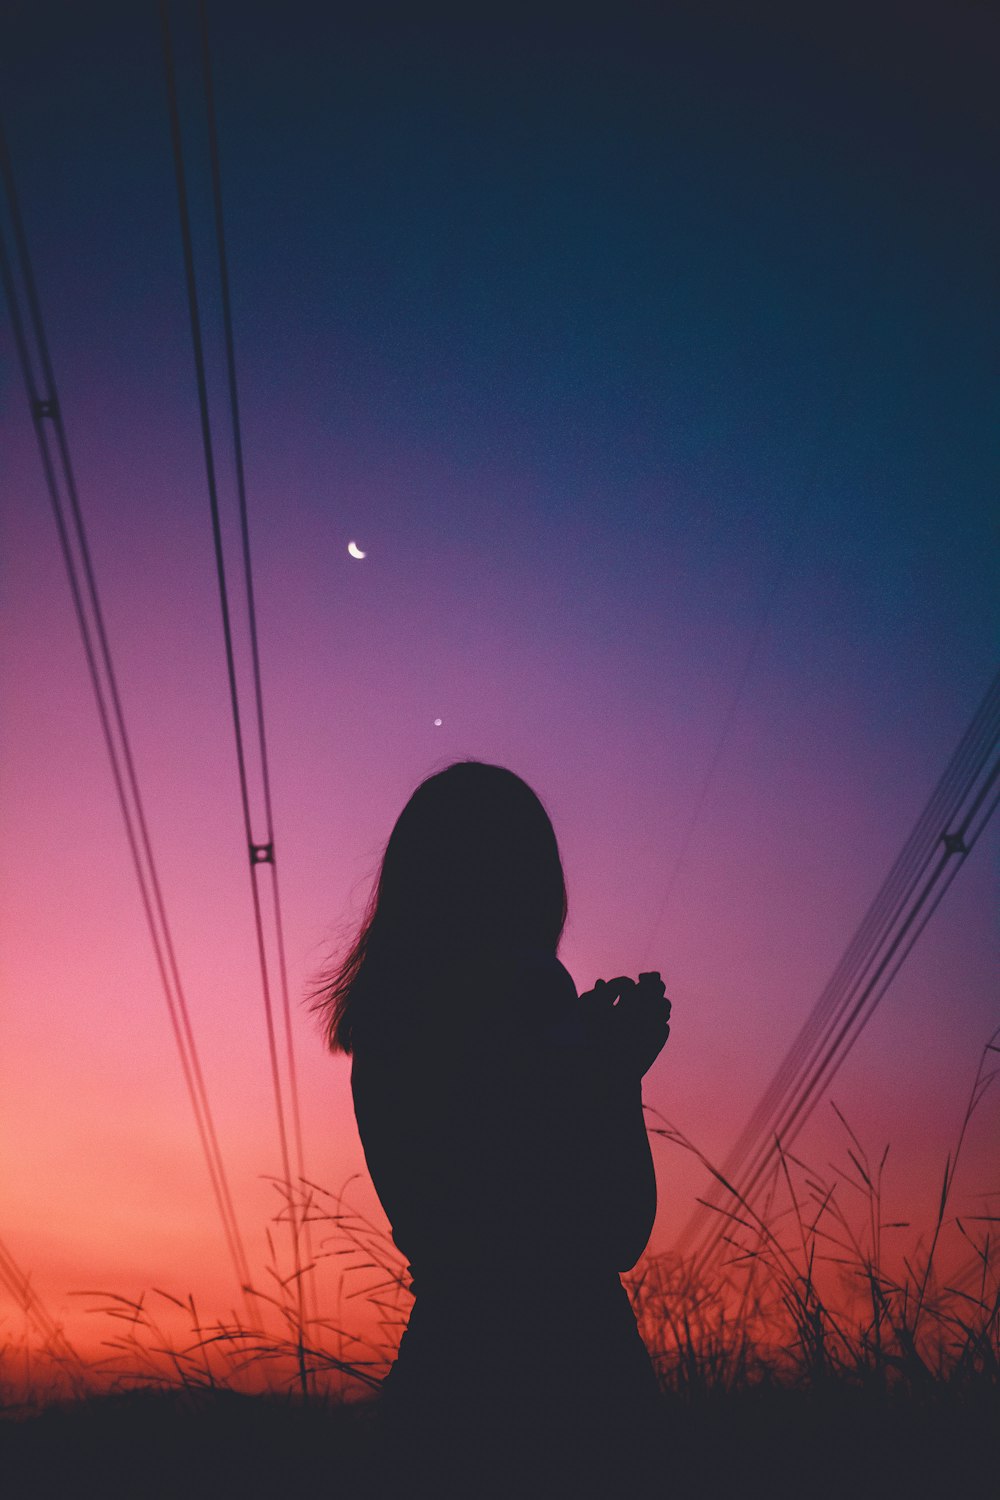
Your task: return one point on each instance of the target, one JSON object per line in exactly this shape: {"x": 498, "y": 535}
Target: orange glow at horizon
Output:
{"x": 676, "y": 500}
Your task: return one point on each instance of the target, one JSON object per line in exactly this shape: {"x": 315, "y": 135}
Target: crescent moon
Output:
{"x": 354, "y": 549}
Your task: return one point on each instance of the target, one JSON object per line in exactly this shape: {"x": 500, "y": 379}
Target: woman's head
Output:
{"x": 471, "y": 872}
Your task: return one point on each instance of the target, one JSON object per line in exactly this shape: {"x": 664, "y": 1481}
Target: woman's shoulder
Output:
{"x": 529, "y": 988}
{"x": 541, "y": 972}
{"x": 495, "y": 1004}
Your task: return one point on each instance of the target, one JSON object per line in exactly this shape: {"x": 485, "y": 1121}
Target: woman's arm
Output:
{"x": 603, "y": 1046}
{"x": 607, "y": 1185}
{"x": 526, "y": 1138}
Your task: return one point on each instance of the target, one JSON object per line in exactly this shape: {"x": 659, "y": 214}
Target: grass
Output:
{"x": 822, "y": 1350}
{"x": 806, "y": 1293}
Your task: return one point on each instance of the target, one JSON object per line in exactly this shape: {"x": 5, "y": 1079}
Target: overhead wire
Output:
{"x": 59, "y": 1346}
{"x": 760, "y": 1140}
{"x": 819, "y": 1027}
{"x": 46, "y": 410}
{"x": 831, "y": 1063}
{"x": 958, "y": 845}
{"x": 837, "y": 996}
{"x": 771, "y": 595}
{"x": 260, "y": 852}
{"x": 227, "y": 320}
{"x": 216, "y": 174}
{"x": 888, "y": 904}
{"x": 908, "y": 878}
{"x": 836, "y": 410}
{"x": 729, "y": 718}
{"x": 946, "y": 833}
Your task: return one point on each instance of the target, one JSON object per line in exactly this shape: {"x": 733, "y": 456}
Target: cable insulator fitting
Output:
{"x": 44, "y": 407}
{"x": 954, "y": 843}
{"x": 262, "y": 854}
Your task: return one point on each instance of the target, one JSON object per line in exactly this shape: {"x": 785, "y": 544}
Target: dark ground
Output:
{"x": 774, "y": 1443}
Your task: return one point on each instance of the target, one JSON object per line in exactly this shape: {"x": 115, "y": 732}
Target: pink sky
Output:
{"x": 675, "y": 392}
{"x": 104, "y": 1186}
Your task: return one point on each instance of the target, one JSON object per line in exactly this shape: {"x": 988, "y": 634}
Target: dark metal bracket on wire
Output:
{"x": 43, "y": 407}
{"x": 262, "y": 854}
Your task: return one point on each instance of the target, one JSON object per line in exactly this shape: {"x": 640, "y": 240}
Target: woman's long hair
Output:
{"x": 471, "y": 874}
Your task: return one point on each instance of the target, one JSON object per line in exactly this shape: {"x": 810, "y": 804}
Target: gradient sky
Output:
{"x": 619, "y": 346}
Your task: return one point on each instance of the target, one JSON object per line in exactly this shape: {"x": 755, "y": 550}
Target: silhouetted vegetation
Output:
{"x": 806, "y": 1357}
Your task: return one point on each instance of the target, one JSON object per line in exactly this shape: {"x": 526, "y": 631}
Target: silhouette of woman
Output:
{"x": 501, "y": 1119}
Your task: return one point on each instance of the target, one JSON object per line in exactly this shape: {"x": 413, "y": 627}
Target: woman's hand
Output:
{"x": 632, "y": 1020}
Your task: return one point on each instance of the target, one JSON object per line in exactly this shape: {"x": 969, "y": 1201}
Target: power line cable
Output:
{"x": 957, "y": 846}
{"x": 732, "y": 710}
{"x": 889, "y": 903}
{"x": 260, "y": 853}
{"x": 713, "y": 765}
{"x": 884, "y": 910}
{"x": 970, "y": 761}
{"x": 58, "y": 1344}
{"x": 945, "y": 834}
{"x": 45, "y": 409}
{"x": 837, "y": 410}
{"x": 227, "y": 320}
{"x": 904, "y": 928}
